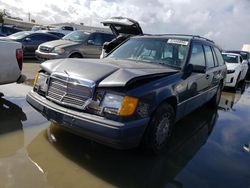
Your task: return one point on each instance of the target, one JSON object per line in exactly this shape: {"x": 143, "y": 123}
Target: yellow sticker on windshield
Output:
{"x": 178, "y": 41}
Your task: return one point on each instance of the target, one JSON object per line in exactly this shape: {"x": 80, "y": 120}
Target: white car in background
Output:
{"x": 11, "y": 62}
{"x": 236, "y": 69}
{"x": 63, "y": 29}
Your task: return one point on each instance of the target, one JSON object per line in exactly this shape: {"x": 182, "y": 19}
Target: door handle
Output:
{"x": 207, "y": 76}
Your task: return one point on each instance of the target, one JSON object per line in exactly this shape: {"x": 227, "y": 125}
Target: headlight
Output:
{"x": 230, "y": 71}
{"x": 58, "y": 51}
{"x": 119, "y": 105}
{"x": 40, "y": 82}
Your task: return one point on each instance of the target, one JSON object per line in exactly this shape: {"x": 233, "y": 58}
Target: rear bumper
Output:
{"x": 115, "y": 134}
{"x": 21, "y": 79}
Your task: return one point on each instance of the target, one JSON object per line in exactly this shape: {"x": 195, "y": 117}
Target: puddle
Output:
{"x": 206, "y": 151}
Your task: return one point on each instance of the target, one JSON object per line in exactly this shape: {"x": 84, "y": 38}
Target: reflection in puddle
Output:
{"x": 16, "y": 169}
{"x": 11, "y": 116}
{"x": 229, "y": 99}
{"x": 92, "y": 164}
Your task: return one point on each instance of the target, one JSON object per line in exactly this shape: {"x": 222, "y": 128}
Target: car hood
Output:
{"x": 106, "y": 72}
{"x": 123, "y": 25}
{"x": 59, "y": 43}
{"x": 232, "y": 66}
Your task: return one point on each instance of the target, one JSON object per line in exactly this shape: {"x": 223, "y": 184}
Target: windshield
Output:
{"x": 230, "y": 58}
{"x": 19, "y": 35}
{"x": 169, "y": 52}
{"x": 77, "y": 36}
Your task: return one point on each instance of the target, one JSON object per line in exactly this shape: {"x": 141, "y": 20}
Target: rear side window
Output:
{"x": 209, "y": 57}
{"x": 197, "y": 55}
{"x": 107, "y": 37}
{"x": 96, "y": 38}
{"x": 100, "y": 38}
{"x": 244, "y": 55}
{"x": 219, "y": 57}
{"x": 215, "y": 58}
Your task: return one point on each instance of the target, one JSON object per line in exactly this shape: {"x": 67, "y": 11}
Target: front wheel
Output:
{"x": 158, "y": 134}
{"x": 75, "y": 55}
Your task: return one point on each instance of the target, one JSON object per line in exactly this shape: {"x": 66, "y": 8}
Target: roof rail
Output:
{"x": 186, "y": 35}
{"x": 197, "y": 36}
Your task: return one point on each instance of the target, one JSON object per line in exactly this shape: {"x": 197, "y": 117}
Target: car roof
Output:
{"x": 228, "y": 53}
{"x": 178, "y": 36}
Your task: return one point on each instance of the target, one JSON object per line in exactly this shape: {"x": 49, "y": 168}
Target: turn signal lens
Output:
{"x": 128, "y": 107}
{"x": 36, "y": 77}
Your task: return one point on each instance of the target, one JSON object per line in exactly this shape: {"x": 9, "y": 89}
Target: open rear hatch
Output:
{"x": 122, "y": 28}
{"x": 123, "y": 25}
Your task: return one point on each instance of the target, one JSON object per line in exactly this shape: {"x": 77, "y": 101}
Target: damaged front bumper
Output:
{"x": 121, "y": 135}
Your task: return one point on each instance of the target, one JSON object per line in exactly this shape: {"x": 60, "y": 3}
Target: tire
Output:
{"x": 158, "y": 133}
{"x": 214, "y": 102}
{"x": 75, "y": 55}
{"x": 237, "y": 82}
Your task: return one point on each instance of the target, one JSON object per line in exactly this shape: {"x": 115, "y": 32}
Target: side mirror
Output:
{"x": 188, "y": 70}
{"x": 194, "y": 68}
{"x": 91, "y": 42}
{"x": 199, "y": 69}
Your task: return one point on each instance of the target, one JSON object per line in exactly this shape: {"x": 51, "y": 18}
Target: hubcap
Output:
{"x": 162, "y": 131}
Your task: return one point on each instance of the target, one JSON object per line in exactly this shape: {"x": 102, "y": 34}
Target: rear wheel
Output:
{"x": 157, "y": 136}
{"x": 214, "y": 102}
{"x": 75, "y": 55}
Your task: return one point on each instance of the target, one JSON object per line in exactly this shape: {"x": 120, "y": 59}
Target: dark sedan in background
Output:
{"x": 31, "y": 40}
{"x": 6, "y": 30}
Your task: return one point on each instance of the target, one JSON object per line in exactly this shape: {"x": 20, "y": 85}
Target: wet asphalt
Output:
{"x": 209, "y": 149}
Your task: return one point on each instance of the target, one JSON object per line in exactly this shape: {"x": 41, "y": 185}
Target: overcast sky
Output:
{"x": 227, "y": 22}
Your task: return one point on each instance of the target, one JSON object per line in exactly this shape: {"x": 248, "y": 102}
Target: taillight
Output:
{"x": 19, "y": 58}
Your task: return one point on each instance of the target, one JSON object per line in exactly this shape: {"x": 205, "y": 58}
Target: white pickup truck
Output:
{"x": 11, "y": 62}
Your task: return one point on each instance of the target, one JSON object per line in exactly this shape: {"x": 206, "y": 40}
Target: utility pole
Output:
{"x": 29, "y": 16}
{"x": 2, "y": 15}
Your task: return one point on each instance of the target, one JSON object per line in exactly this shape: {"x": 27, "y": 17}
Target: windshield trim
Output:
{"x": 145, "y": 61}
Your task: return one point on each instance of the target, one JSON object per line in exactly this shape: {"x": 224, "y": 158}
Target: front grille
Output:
{"x": 70, "y": 91}
{"x": 45, "y": 49}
